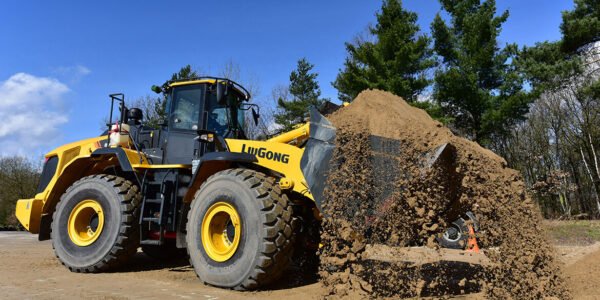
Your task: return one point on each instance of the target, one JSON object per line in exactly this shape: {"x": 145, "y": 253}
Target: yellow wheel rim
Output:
{"x": 221, "y": 231}
{"x": 85, "y": 223}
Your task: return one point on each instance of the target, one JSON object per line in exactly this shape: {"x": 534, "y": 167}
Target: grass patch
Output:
{"x": 580, "y": 232}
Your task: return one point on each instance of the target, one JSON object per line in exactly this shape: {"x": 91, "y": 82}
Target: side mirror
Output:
{"x": 255, "y": 116}
{"x": 221, "y": 90}
{"x": 156, "y": 89}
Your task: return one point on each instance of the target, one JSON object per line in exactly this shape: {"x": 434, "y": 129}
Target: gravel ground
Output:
{"x": 31, "y": 271}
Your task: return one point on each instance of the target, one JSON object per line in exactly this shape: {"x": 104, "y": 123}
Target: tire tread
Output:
{"x": 127, "y": 240}
{"x": 276, "y": 211}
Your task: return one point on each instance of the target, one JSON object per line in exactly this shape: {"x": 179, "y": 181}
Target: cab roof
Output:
{"x": 238, "y": 88}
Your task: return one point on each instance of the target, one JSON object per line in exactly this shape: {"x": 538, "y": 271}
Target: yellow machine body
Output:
{"x": 75, "y": 161}
{"x": 279, "y": 155}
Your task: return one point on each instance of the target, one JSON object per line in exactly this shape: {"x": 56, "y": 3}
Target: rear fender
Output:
{"x": 74, "y": 171}
{"x": 97, "y": 162}
{"x": 28, "y": 212}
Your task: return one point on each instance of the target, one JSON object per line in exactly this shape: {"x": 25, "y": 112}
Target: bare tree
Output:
{"x": 19, "y": 177}
{"x": 151, "y": 106}
{"x": 560, "y": 137}
{"x": 251, "y": 82}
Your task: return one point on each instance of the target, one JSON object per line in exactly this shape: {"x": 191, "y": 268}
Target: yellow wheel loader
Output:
{"x": 238, "y": 206}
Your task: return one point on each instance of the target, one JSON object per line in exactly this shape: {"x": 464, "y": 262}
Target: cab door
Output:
{"x": 184, "y": 119}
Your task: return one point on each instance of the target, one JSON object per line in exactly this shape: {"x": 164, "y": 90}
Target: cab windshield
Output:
{"x": 188, "y": 111}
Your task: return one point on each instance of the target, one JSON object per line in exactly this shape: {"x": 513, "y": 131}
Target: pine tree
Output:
{"x": 581, "y": 26}
{"x": 305, "y": 92}
{"x": 395, "y": 62}
{"x": 478, "y": 85}
{"x": 185, "y": 72}
{"x": 547, "y": 68}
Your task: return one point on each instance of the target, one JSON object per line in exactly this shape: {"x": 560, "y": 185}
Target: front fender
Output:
{"x": 281, "y": 158}
{"x": 211, "y": 163}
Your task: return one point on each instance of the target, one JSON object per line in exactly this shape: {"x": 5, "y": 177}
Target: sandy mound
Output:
{"x": 381, "y": 191}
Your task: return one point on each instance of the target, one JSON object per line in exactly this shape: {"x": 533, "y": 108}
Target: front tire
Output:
{"x": 94, "y": 226}
{"x": 239, "y": 230}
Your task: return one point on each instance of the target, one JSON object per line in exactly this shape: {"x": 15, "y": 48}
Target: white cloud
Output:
{"x": 31, "y": 111}
{"x": 72, "y": 74}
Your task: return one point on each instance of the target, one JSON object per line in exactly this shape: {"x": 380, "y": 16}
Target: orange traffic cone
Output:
{"x": 472, "y": 241}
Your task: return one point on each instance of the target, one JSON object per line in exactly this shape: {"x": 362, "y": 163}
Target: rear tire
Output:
{"x": 108, "y": 243}
{"x": 264, "y": 246}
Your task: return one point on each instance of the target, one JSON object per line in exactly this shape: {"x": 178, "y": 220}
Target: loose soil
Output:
{"x": 383, "y": 189}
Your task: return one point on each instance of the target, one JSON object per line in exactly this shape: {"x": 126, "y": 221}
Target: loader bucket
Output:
{"x": 316, "y": 159}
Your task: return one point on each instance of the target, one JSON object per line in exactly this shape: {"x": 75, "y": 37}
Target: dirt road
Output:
{"x": 29, "y": 270}
{"x": 582, "y": 269}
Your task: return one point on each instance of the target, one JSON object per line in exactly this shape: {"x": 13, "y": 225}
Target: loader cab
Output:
{"x": 199, "y": 105}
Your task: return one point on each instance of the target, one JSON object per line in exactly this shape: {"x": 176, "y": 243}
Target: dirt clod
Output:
{"x": 399, "y": 178}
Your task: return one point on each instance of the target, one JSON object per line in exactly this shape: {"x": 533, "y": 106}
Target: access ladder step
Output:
{"x": 151, "y": 242}
{"x": 156, "y": 201}
{"x": 151, "y": 219}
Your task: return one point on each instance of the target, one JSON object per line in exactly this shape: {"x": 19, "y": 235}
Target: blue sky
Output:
{"x": 59, "y": 60}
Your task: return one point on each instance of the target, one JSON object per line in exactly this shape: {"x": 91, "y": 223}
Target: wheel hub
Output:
{"x": 221, "y": 231}
{"x": 85, "y": 222}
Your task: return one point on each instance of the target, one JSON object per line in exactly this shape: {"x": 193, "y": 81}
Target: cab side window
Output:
{"x": 217, "y": 118}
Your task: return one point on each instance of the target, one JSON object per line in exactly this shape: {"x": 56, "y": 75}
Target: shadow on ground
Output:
{"x": 141, "y": 262}
{"x": 294, "y": 276}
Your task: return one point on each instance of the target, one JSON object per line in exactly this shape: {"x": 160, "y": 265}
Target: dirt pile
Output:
{"x": 384, "y": 189}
